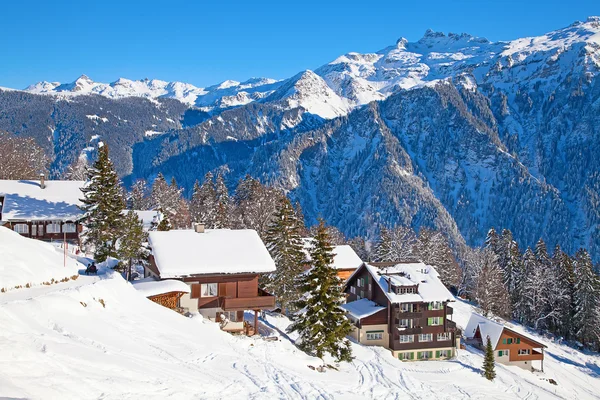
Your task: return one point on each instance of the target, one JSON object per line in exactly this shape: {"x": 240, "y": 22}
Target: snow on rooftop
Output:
{"x": 152, "y": 287}
{"x": 180, "y": 253}
{"x": 26, "y": 200}
{"x": 487, "y": 327}
{"x": 344, "y": 256}
{"x": 430, "y": 288}
{"x": 362, "y": 308}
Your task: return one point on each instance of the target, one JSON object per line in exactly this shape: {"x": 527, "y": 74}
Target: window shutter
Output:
{"x": 500, "y": 353}
{"x": 195, "y": 291}
{"x": 518, "y": 340}
{"x": 429, "y": 306}
{"x": 429, "y": 321}
{"x": 412, "y": 356}
{"x": 504, "y": 341}
{"x": 437, "y": 354}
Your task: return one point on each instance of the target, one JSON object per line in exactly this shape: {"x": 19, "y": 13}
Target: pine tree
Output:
{"x": 492, "y": 241}
{"x": 433, "y": 249}
{"x": 131, "y": 245}
{"x": 254, "y": 206}
{"x": 522, "y": 312}
{"x": 204, "y": 204}
{"x": 563, "y": 265}
{"x": 490, "y": 292}
{"x": 223, "y": 206}
{"x": 286, "y": 247}
{"x": 586, "y": 298}
{"x": 138, "y": 197}
{"x": 383, "y": 250}
{"x": 103, "y": 204}
{"x": 336, "y": 236}
{"x": 164, "y": 224}
{"x": 321, "y": 323}
{"x": 359, "y": 246}
{"x": 165, "y": 197}
{"x": 182, "y": 218}
{"x": 489, "y": 370}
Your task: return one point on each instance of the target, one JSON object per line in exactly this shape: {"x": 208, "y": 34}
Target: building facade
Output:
{"x": 402, "y": 307}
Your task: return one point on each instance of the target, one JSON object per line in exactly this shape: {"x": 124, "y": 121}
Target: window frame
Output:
{"x": 72, "y": 228}
{"x": 527, "y": 352}
{"x": 411, "y": 337}
{"x": 431, "y": 321}
{"x": 208, "y": 286}
{"x": 446, "y": 337}
{"x": 50, "y": 228}
{"x": 429, "y": 336}
{"x": 17, "y": 228}
{"x": 377, "y": 335}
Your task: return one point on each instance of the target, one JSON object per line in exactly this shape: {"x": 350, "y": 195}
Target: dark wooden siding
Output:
{"x": 42, "y": 231}
{"x": 378, "y": 318}
{"x": 248, "y": 288}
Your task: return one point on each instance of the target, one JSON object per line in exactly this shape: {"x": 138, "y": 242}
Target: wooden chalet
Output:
{"x": 166, "y": 293}
{"x": 404, "y": 308}
{"x": 510, "y": 347}
{"x": 45, "y": 209}
{"x": 221, "y": 268}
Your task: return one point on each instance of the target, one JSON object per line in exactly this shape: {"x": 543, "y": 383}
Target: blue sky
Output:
{"x": 207, "y": 42}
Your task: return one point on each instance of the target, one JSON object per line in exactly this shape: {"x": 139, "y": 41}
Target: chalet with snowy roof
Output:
{"x": 46, "y": 210}
{"x": 221, "y": 268}
{"x": 510, "y": 347}
{"x": 345, "y": 259}
{"x": 402, "y": 307}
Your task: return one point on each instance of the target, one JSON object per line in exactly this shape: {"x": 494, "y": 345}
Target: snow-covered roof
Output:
{"x": 26, "y": 200}
{"x": 152, "y": 287}
{"x": 490, "y": 328}
{"x": 429, "y": 288}
{"x": 487, "y": 327}
{"x": 148, "y": 217}
{"x": 344, "y": 256}
{"x": 180, "y": 253}
{"x": 362, "y": 308}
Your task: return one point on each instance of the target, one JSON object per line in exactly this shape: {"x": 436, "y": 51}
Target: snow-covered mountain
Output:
{"x": 451, "y": 131}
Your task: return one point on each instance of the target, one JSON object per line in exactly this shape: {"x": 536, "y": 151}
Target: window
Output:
{"x": 407, "y": 338}
{"x": 424, "y": 355}
{"x": 442, "y": 353}
{"x": 443, "y": 336}
{"x": 524, "y": 352}
{"x": 507, "y": 341}
{"x": 229, "y": 315}
{"x": 69, "y": 227}
{"x": 352, "y": 289}
{"x": 40, "y": 230}
{"x": 436, "y": 305}
{"x": 503, "y": 353}
{"x": 53, "y": 227}
{"x": 404, "y": 307}
{"x": 208, "y": 290}
{"x": 406, "y": 356}
{"x": 360, "y": 282}
{"x": 374, "y": 335}
{"x": 21, "y": 228}
{"x": 426, "y": 337}
{"x": 404, "y": 290}
{"x": 370, "y": 287}
{"x": 435, "y": 321}
{"x": 405, "y": 323}
{"x": 362, "y": 294}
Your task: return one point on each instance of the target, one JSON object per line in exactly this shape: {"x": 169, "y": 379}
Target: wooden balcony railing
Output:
{"x": 264, "y": 300}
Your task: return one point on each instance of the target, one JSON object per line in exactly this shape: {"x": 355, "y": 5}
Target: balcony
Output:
{"x": 264, "y": 300}
{"x": 409, "y": 331}
{"x": 409, "y": 315}
{"x": 449, "y": 310}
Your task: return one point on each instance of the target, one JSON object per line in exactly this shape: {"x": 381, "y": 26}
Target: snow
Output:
{"x": 152, "y": 287}
{"x": 180, "y": 253}
{"x": 430, "y": 288}
{"x": 153, "y": 133}
{"x": 27, "y": 261}
{"x": 26, "y": 200}
{"x": 362, "y": 308}
{"x": 148, "y": 217}
{"x": 487, "y": 328}
{"x": 344, "y": 256}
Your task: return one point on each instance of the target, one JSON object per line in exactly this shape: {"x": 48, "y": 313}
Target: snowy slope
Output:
{"x": 103, "y": 339}
{"x": 27, "y": 261}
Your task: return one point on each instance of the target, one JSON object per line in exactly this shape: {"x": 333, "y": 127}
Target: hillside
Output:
{"x": 98, "y": 337}
{"x": 451, "y": 131}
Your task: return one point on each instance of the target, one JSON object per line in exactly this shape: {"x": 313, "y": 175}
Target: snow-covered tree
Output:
{"x": 286, "y": 247}
{"x": 490, "y": 292}
{"x": 396, "y": 244}
{"x": 565, "y": 280}
{"x": 102, "y": 205}
{"x": 223, "y": 204}
{"x": 22, "y": 158}
{"x": 182, "y": 218}
{"x": 335, "y": 235}
{"x": 131, "y": 245}
{"x": 138, "y": 198}
{"x": 321, "y": 323}
{"x": 586, "y": 298}
{"x": 433, "y": 249}
{"x": 77, "y": 171}
{"x": 165, "y": 197}
{"x": 359, "y": 246}
{"x": 255, "y": 205}
{"x": 204, "y": 202}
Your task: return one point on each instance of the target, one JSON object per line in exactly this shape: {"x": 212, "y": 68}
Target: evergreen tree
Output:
{"x": 321, "y": 323}
{"x": 286, "y": 247}
{"x": 563, "y": 265}
{"x": 203, "y": 204}
{"x": 522, "y": 312}
{"x": 131, "y": 245}
{"x": 433, "y": 249}
{"x": 490, "y": 292}
{"x": 255, "y": 205}
{"x": 165, "y": 197}
{"x": 586, "y": 298}
{"x": 336, "y": 236}
{"x": 102, "y": 206}
{"x": 492, "y": 241}
{"x": 182, "y": 218}
{"x": 223, "y": 204}
{"x": 359, "y": 246}
{"x": 383, "y": 250}
{"x": 138, "y": 197}
{"x": 164, "y": 224}
{"x": 489, "y": 370}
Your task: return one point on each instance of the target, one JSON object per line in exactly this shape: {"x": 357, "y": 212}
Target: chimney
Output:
{"x": 199, "y": 228}
{"x": 43, "y": 181}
